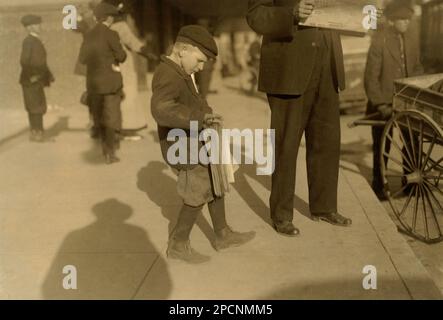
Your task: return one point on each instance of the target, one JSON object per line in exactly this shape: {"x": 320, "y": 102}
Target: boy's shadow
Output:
{"x": 161, "y": 189}
{"x": 111, "y": 258}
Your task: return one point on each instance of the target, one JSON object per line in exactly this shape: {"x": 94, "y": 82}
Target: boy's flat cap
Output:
{"x": 31, "y": 19}
{"x": 397, "y": 10}
{"x": 200, "y": 37}
{"x": 104, "y": 10}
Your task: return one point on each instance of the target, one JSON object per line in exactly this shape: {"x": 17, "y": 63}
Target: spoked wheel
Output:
{"x": 412, "y": 168}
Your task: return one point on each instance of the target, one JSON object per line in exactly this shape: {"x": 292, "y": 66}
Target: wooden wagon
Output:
{"x": 412, "y": 157}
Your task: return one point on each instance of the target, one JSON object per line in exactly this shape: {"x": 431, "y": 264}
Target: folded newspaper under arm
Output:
{"x": 221, "y": 167}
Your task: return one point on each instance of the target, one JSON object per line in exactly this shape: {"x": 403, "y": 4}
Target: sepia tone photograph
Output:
{"x": 257, "y": 150}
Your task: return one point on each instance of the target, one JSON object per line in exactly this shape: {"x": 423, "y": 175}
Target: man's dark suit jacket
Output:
{"x": 384, "y": 65}
{"x": 100, "y": 50}
{"x": 33, "y": 62}
{"x": 288, "y": 51}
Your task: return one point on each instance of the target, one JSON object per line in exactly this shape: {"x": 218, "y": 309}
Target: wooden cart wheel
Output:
{"x": 412, "y": 168}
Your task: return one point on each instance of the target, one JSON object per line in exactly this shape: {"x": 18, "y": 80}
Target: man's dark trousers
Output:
{"x": 107, "y": 114}
{"x": 316, "y": 113}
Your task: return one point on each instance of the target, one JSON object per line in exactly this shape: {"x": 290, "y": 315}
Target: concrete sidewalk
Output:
{"x": 61, "y": 206}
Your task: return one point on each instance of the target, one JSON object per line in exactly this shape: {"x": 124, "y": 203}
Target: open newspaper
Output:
{"x": 353, "y": 16}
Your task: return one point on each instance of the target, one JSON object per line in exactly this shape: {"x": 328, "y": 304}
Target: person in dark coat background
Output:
{"x": 175, "y": 103}
{"x": 302, "y": 71}
{"x": 86, "y": 21}
{"x": 35, "y": 76}
{"x": 102, "y": 52}
{"x": 394, "y": 54}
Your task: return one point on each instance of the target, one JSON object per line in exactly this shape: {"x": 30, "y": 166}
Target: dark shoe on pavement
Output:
{"x": 227, "y": 238}
{"x": 378, "y": 190}
{"x": 110, "y": 159}
{"x": 333, "y": 218}
{"x": 380, "y": 195}
{"x": 286, "y": 229}
{"x": 182, "y": 250}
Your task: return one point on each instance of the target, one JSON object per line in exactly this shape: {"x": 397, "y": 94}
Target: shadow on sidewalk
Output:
{"x": 253, "y": 200}
{"x": 245, "y": 190}
{"x": 161, "y": 189}
{"x": 61, "y": 125}
{"x": 51, "y": 133}
{"x": 355, "y": 153}
{"x": 112, "y": 258}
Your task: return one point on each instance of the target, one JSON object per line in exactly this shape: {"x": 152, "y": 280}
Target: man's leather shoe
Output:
{"x": 286, "y": 229}
{"x": 381, "y": 195}
{"x": 378, "y": 190}
{"x": 333, "y": 218}
{"x": 110, "y": 159}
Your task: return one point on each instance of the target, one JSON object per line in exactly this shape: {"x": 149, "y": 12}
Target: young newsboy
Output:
{"x": 35, "y": 76}
{"x": 175, "y": 103}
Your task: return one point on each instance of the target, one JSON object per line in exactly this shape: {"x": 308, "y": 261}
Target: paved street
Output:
{"x": 61, "y": 206}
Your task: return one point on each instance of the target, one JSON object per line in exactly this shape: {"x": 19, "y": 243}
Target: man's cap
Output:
{"x": 31, "y": 19}
{"x": 397, "y": 10}
{"x": 199, "y": 37}
{"x": 104, "y": 10}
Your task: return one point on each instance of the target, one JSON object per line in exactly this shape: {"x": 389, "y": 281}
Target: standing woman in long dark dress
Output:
{"x": 133, "y": 114}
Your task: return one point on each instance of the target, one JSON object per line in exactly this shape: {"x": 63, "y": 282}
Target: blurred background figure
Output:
{"x": 249, "y": 76}
{"x": 133, "y": 114}
{"x": 35, "y": 76}
{"x": 86, "y": 21}
{"x": 102, "y": 53}
{"x": 204, "y": 77}
{"x": 394, "y": 54}
{"x": 243, "y": 38}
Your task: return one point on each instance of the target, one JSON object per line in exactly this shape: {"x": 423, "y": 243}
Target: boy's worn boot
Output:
{"x": 226, "y": 238}
{"x": 179, "y": 246}
{"x": 182, "y": 250}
